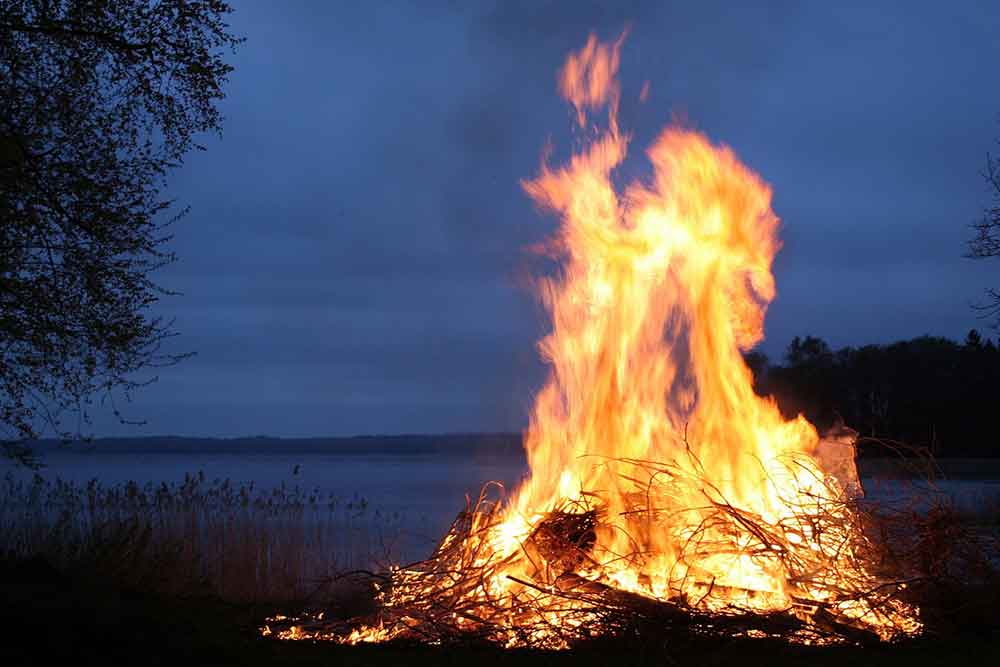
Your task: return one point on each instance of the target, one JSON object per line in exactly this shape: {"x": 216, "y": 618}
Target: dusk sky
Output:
{"x": 355, "y": 257}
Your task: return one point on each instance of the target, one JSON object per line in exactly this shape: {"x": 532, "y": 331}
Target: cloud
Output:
{"x": 354, "y": 258}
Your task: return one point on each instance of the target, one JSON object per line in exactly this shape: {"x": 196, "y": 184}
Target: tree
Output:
{"x": 808, "y": 351}
{"x": 99, "y": 99}
{"x": 986, "y": 242}
{"x": 758, "y": 364}
{"x": 806, "y": 380}
{"x": 973, "y": 340}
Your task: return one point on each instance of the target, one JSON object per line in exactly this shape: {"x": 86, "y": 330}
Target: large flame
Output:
{"x": 655, "y": 468}
{"x": 661, "y": 289}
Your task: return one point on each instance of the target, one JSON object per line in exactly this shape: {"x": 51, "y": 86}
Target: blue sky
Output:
{"x": 354, "y": 261}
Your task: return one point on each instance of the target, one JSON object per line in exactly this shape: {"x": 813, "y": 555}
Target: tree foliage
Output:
{"x": 99, "y": 99}
{"x": 927, "y": 392}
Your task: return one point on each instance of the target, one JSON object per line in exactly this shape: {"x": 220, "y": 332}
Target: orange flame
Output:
{"x": 587, "y": 80}
{"x": 688, "y": 486}
{"x": 661, "y": 290}
{"x": 649, "y": 400}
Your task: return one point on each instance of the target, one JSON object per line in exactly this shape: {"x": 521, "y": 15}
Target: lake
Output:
{"x": 424, "y": 480}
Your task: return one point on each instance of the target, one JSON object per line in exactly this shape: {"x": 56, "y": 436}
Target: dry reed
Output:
{"x": 233, "y": 541}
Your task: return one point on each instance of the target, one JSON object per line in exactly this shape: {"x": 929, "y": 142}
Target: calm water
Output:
{"x": 426, "y": 490}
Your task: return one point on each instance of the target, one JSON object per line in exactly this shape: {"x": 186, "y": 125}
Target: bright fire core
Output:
{"x": 656, "y": 471}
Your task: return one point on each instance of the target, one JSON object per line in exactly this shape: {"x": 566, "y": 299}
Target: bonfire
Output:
{"x": 663, "y": 491}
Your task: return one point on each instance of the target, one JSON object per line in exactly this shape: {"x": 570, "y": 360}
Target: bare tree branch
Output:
{"x": 986, "y": 241}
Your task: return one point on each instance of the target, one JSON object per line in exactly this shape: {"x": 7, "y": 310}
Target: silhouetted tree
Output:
{"x": 806, "y": 382}
{"x": 986, "y": 242}
{"x": 973, "y": 340}
{"x": 927, "y": 392}
{"x": 758, "y": 364}
{"x": 808, "y": 352}
{"x": 98, "y": 100}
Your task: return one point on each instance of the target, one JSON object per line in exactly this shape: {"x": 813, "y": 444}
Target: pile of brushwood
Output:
{"x": 915, "y": 568}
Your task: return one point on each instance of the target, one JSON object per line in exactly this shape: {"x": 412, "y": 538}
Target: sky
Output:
{"x": 355, "y": 260}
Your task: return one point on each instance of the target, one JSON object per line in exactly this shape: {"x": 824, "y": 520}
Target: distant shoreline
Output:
{"x": 481, "y": 446}
{"x": 445, "y": 444}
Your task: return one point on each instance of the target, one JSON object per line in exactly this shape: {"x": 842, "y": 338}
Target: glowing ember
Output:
{"x": 660, "y": 482}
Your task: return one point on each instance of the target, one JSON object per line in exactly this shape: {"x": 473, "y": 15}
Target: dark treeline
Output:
{"x": 926, "y": 392}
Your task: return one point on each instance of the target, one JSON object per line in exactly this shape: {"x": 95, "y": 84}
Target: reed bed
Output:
{"x": 200, "y": 537}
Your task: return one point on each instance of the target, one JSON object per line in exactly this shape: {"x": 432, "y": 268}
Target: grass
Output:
{"x": 200, "y": 537}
